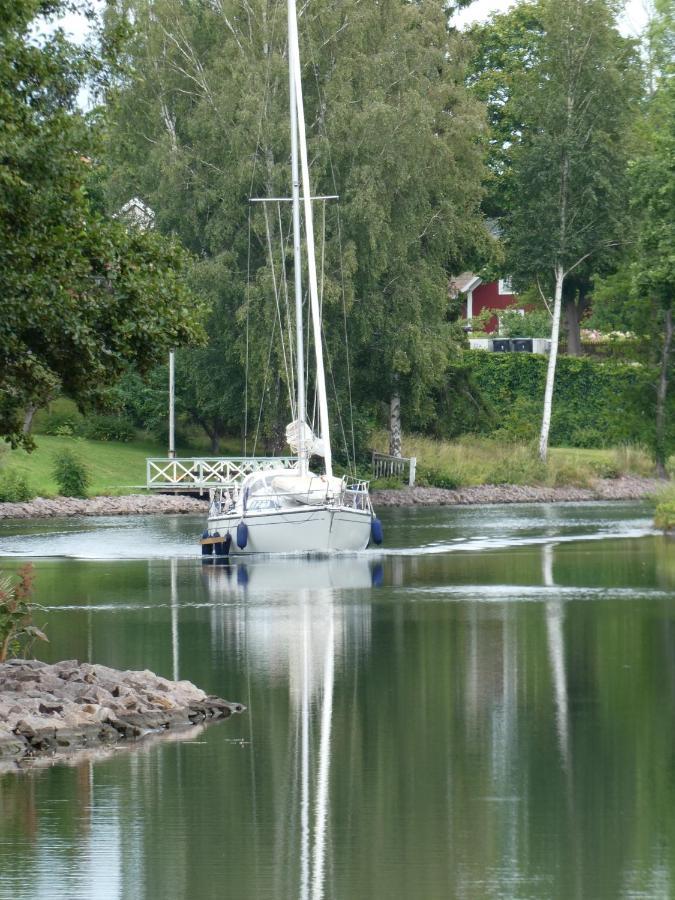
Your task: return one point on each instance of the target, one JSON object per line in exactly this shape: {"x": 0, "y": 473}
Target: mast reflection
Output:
{"x": 295, "y": 624}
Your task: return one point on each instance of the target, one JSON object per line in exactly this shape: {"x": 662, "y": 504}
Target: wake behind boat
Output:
{"x": 281, "y": 510}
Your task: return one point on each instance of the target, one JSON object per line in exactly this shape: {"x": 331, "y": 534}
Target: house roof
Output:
{"x": 467, "y": 281}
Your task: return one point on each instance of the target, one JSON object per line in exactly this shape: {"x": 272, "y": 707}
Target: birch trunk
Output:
{"x": 661, "y": 396}
{"x": 28, "y": 419}
{"x": 552, "y": 360}
{"x": 395, "y": 425}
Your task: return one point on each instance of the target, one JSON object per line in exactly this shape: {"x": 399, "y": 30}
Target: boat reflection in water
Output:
{"x": 298, "y": 632}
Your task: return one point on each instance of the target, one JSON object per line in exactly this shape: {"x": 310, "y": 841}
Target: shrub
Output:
{"x": 109, "y": 428}
{"x": 519, "y": 421}
{"x": 71, "y": 475}
{"x": 17, "y": 632}
{"x": 535, "y": 324}
{"x": 605, "y": 468}
{"x": 63, "y": 424}
{"x": 437, "y": 478}
{"x": 386, "y": 484}
{"x": 14, "y": 487}
{"x": 665, "y": 515}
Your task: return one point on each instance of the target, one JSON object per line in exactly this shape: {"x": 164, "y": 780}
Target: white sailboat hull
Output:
{"x": 308, "y": 529}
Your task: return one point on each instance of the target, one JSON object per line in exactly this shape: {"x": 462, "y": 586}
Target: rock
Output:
{"x": 624, "y": 488}
{"x": 134, "y": 504}
{"x": 12, "y": 746}
{"x": 61, "y": 708}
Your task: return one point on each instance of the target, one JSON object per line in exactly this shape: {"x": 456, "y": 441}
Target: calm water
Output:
{"x": 486, "y": 709}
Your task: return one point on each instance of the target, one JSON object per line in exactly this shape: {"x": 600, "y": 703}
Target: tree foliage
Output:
{"x": 202, "y": 125}
{"x": 561, "y": 87}
{"x": 653, "y": 184}
{"x": 83, "y": 296}
{"x": 566, "y": 118}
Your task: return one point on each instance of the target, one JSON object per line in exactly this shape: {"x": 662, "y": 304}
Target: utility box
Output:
{"x": 501, "y": 345}
{"x": 479, "y": 343}
{"x": 521, "y": 345}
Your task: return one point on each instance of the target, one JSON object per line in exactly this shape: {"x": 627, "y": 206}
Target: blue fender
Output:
{"x": 242, "y": 535}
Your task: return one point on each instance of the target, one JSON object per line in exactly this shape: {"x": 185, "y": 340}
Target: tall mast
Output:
{"x": 294, "y": 57}
{"x": 297, "y": 266}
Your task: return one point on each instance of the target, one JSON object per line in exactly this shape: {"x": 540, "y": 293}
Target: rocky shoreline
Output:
{"x": 625, "y": 488}
{"x": 131, "y": 505}
{"x": 53, "y": 711}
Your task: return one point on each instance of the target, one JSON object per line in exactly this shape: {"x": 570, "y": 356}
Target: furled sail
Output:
{"x": 299, "y": 434}
{"x": 310, "y": 489}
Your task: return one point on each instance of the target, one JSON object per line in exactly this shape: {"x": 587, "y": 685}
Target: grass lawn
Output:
{"x": 119, "y": 468}
{"x": 114, "y": 468}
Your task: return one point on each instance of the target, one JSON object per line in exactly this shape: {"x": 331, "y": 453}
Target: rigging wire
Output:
{"x": 289, "y": 385}
{"x": 263, "y": 116}
{"x": 283, "y": 247}
{"x": 262, "y": 396}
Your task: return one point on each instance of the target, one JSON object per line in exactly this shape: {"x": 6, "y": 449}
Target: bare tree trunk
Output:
{"x": 395, "y": 424}
{"x": 573, "y": 319}
{"x": 28, "y": 419}
{"x": 552, "y": 360}
{"x": 575, "y": 309}
{"x": 662, "y": 395}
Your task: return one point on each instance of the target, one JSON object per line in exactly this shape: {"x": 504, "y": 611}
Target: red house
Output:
{"x": 481, "y": 295}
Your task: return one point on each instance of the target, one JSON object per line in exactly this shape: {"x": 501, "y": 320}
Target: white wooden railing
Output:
{"x": 385, "y": 466}
{"x": 202, "y": 473}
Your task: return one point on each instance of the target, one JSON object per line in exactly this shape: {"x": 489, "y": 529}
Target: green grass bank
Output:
{"x": 117, "y": 468}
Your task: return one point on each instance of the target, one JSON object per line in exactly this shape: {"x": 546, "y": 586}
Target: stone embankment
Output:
{"x": 60, "y": 709}
{"x": 626, "y": 488}
{"x": 134, "y": 504}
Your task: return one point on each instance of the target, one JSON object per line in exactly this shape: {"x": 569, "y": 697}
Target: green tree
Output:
{"x": 567, "y": 191}
{"x": 202, "y": 125}
{"x": 638, "y": 297}
{"x": 514, "y": 71}
{"x": 83, "y": 296}
{"x": 653, "y": 182}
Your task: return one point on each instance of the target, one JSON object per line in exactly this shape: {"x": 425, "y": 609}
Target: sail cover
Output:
{"x": 299, "y": 433}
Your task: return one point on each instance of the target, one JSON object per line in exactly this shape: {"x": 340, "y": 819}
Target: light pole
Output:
{"x": 172, "y": 403}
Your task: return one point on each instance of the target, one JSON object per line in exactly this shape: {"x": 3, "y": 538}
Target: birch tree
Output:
{"x": 202, "y": 125}
{"x": 568, "y": 186}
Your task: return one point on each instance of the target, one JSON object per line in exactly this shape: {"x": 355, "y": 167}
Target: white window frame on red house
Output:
{"x": 504, "y": 286}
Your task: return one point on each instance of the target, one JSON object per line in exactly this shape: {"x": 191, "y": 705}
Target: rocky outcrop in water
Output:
{"x": 134, "y": 504}
{"x": 62, "y": 708}
{"x": 626, "y": 488}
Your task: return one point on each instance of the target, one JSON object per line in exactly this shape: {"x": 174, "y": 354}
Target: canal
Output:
{"x": 483, "y": 709}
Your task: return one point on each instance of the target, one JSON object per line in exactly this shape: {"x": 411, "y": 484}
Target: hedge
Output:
{"x": 596, "y": 403}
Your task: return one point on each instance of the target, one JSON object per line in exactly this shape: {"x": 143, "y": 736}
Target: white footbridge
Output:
{"x": 202, "y": 473}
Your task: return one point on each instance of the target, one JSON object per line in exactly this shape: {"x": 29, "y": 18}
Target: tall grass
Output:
{"x": 472, "y": 460}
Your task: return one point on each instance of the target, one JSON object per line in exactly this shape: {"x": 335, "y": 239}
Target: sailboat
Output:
{"x": 282, "y": 510}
